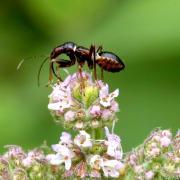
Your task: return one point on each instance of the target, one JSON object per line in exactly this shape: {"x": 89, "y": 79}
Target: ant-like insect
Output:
{"x": 108, "y": 61}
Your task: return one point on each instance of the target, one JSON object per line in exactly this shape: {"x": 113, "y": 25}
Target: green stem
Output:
{"x": 96, "y": 133}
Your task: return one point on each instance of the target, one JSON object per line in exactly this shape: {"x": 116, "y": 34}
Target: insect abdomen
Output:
{"x": 110, "y": 62}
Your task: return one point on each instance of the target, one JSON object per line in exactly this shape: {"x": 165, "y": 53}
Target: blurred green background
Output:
{"x": 146, "y": 34}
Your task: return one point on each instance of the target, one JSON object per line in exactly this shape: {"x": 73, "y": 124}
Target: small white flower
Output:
{"x": 27, "y": 162}
{"x": 64, "y": 155}
{"x": 154, "y": 151}
{"x": 111, "y": 168}
{"x": 95, "y": 110}
{"x": 105, "y": 98}
{"x": 114, "y": 106}
{"x": 60, "y": 98}
{"x": 79, "y": 125}
{"x": 54, "y": 106}
{"x": 149, "y": 175}
{"x": 165, "y": 141}
{"x": 66, "y": 82}
{"x": 138, "y": 169}
{"x": 59, "y": 106}
{"x": 80, "y": 170}
{"x": 114, "y": 94}
{"x": 32, "y": 157}
{"x": 83, "y": 140}
{"x": 153, "y": 145}
{"x": 106, "y": 114}
{"x": 69, "y": 116}
{"x": 57, "y": 93}
{"x": 103, "y": 93}
{"x": 176, "y": 159}
{"x": 56, "y": 147}
{"x": 95, "y": 162}
{"x": 114, "y": 148}
{"x": 95, "y": 174}
{"x": 166, "y": 133}
{"x": 133, "y": 159}
{"x": 95, "y": 124}
{"x": 54, "y": 159}
{"x": 156, "y": 138}
{"x": 65, "y": 139}
{"x": 14, "y": 152}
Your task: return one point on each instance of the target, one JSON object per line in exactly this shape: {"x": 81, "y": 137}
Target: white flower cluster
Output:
{"x": 16, "y": 164}
{"x": 88, "y": 107}
{"x": 159, "y": 156}
{"x": 158, "y": 142}
{"x": 81, "y": 108}
{"x": 95, "y": 158}
{"x": 86, "y": 158}
{"x": 25, "y": 159}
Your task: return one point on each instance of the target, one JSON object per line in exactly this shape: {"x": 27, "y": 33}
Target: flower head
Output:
{"x": 14, "y": 152}
{"x": 79, "y": 102}
{"x": 33, "y": 157}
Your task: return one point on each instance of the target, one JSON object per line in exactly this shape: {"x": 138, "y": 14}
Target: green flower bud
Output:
{"x": 90, "y": 95}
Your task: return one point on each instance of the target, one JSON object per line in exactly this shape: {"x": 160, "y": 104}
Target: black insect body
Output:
{"x": 84, "y": 54}
{"x": 108, "y": 61}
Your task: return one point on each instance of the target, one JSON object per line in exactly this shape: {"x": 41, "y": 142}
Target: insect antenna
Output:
{"x": 20, "y": 64}
{"x": 28, "y": 58}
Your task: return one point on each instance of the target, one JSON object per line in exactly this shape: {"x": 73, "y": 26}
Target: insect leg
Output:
{"x": 81, "y": 76}
{"x": 39, "y": 71}
{"x": 62, "y": 63}
{"x": 99, "y": 49}
{"x": 52, "y": 71}
{"x": 102, "y": 74}
{"x": 92, "y": 52}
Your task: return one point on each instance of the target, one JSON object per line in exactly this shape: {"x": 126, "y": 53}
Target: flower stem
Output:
{"x": 100, "y": 133}
{"x": 97, "y": 133}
